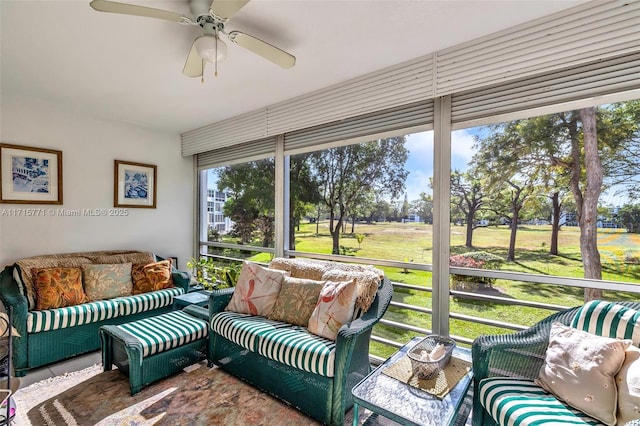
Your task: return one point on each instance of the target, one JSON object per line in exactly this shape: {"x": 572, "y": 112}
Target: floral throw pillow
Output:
{"x": 256, "y": 290}
{"x": 334, "y": 308}
{"x": 159, "y": 275}
{"x": 58, "y": 287}
{"x": 141, "y": 283}
{"x": 296, "y": 301}
{"x": 107, "y": 281}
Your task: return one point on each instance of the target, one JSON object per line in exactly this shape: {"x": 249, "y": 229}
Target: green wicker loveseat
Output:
{"x": 506, "y": 367}
{"x": 51, "y": 335}
{"x": 311, "y": 373}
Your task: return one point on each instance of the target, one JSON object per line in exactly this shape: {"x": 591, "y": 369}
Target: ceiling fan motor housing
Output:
{"x": 199, "y": 8}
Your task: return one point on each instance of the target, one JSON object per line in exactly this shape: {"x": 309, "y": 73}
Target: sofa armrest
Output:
{"x": 219, "y": 299}
{"x": 11, "y": 297}
{"x": 180, "y": 278}
{"x": 372, "y": 316}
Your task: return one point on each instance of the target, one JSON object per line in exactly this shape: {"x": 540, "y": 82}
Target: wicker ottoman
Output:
{"x": 153, "y": 348}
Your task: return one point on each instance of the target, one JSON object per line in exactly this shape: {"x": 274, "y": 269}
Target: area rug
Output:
{"x": 202, "y": 396}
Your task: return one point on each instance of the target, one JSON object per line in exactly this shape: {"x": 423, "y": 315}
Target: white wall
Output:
{"x": 89, "y": 147}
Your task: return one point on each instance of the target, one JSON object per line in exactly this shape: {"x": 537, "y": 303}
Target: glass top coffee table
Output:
{"x": 408, "y": 405}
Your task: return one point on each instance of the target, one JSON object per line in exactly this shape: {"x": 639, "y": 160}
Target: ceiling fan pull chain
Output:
{"x": 202, "y": 75}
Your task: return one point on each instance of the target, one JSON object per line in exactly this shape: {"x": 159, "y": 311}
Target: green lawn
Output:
{"x": 412, "y": 242}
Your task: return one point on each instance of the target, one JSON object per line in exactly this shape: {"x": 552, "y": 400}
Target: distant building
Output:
{"x": 216, "y": 219}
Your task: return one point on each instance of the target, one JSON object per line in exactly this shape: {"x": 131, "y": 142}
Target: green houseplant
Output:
{"x": 214, "y": 276}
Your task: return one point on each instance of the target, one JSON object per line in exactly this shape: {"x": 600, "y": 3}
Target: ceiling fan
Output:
{"x": 212, "y": 17}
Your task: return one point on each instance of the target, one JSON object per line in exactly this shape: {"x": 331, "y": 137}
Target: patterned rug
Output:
{"x": 202, "y": 396}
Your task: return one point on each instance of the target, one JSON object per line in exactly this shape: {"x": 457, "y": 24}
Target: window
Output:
{"x": 370, "y": 200}
{"x": 241, "y": 204}
{"x": 517, "y": 188}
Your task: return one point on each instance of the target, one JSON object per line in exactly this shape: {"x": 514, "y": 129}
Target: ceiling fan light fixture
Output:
{"x": 211, "y": 48}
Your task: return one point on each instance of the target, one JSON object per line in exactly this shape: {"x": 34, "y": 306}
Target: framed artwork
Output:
{"x": 30, "y": 175}
{"x": 134, "y": 185}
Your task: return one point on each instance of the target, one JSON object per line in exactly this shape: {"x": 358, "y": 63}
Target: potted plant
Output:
{"x": 214, "y": 276}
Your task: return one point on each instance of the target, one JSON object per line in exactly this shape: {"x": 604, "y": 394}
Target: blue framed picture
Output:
{"x": 30, "y": 175}
{"x": 134, "y": 185}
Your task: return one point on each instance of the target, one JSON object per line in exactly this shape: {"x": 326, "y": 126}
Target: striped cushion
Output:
{"x": 130, "y": 305}
{"x": 296, "y": 347}
{"x": 519, "y": 402}
{"x": 608, "y": 319}
{"x": 70, "y": 316}
{"x": 167, "y": 331}
{"x": 243, "y": 329}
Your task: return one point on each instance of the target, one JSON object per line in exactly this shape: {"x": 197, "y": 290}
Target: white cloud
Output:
{"x": 420, "y": 145}
{"x": 461, "y": 148}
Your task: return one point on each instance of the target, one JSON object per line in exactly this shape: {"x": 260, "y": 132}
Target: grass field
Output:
{"x": 412, "y": 242}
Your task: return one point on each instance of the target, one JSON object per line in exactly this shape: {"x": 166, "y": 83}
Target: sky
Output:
{"x": 420, "y": 162}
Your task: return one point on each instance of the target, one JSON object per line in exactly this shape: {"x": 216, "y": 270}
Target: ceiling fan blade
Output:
{"x": 225, "y": 9}
{"x": 193, "y": 65}
{"x": 264, "y": 49}
{"x": 132, "y": 9}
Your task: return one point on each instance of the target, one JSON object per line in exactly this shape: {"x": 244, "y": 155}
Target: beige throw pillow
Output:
{"x": 580, "y": 369}
{"x": 628, "y": 381}
{"x": 296, "y": 301}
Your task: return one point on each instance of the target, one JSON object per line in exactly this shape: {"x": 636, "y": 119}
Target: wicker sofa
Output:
{"x": 278, "y": 357}
{"x": 51, "y": 335}
{"x": 507, "y": 369}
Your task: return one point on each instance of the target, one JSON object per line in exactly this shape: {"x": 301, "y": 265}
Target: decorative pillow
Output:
{"x": 296, "y": 301}
{"x": 103, "y": 282}
{"x": 367, "y": 282}
{"x": 58, "y": 287}
{"x": 580, "y": 369}
{"x": 159, "y": 275}
{"x": 334, "y": 308}
{"x": 256, "y": 290}
{"x": 608, "y": 319}
{"x": 141, "y": 283}
{"x": 628, "y": 381}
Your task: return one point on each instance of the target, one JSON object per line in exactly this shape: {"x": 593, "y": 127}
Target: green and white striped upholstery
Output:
{"x": 519, "y": 402}
{"x": 129, "y": 305}
{"x": 298, "y": 348}
{"x": 243, "y": 329}
{"x": 167, "y": 331}
{"x": 286, "y": 343}
{"x": 87, "y": 313}
{"x": 608, "y": 319}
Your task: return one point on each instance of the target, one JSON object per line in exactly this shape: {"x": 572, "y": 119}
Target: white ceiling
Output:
{"x": 129, "y": 68}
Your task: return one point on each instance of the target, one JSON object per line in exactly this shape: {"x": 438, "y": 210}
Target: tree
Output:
{"x": 629, "y": 217}
{"x": 587, "y": 152}
{"x": 406, "y": 207}
{"x": 251, "y": 206}
{"x": 510, "y": 175}
{"x": 468, "y": 197}
{"x": 343, "y": 173}
{"x": 423, "y": 207}
{"x": 303, "y": 194}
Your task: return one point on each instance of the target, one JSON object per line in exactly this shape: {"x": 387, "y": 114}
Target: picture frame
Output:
{"x": 134, "y": 184}
{"x": 30, "y": 175}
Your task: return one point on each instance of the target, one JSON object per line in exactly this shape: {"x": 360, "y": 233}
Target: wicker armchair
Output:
{"x": 518, "y": 355}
